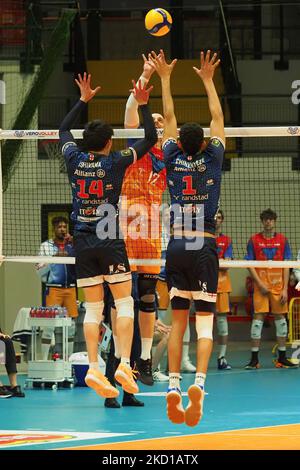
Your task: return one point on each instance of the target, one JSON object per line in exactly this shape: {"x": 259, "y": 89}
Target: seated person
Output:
{"x": 14, "y": 390}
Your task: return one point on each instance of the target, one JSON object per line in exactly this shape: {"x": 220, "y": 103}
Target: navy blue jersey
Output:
{"x": 194, "y": 184}
{"x": 96, "y": 181}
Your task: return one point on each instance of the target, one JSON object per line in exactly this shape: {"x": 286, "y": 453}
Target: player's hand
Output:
{"x": 161, "y": 327}
{"x": 297, "y": 287}
{"x": 159, "y": 63}
{"x": 283, "y": 296}
{"x": 84, "y": 84}
{"x": 148, "y": 68}
{"x": 208, "y": 66}
{"x": 263, "y": 289}
{"x": 140, "y": 92}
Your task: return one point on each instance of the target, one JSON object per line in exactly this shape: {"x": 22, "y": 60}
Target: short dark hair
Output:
{"x": 96, "y": 134}
{"x": 191, "y": 136}
{"x": 221, "y": 212}
{"x": 268, "y": 214}
{"x": 57, "y": 220}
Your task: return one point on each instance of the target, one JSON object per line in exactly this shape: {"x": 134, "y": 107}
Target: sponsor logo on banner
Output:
{"x": 22, "y": 133}
{"x": 293, "y": 130}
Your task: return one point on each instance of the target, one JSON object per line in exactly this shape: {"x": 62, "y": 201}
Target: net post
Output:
{"x": 1, "y": 209}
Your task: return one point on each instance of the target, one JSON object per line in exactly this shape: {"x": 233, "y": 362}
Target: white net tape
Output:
{"x": 287, "y": 131}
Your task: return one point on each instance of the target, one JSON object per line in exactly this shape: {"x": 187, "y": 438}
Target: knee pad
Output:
{"x": 147, "y": 284}
{"x": 93, "y": 312}
{"x": 281, "y": 327}
{"x": 256, "y": 328}
{"x": 204, "y": 326}
{"x": 222, "y": 325}
{"x": 147, "y": 307}
{"x": 125, "y": 307}
{"x": 203, "y": 306}
{"x": 180, "y": 303}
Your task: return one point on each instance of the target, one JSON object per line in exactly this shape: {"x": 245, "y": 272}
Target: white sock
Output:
{"x": 94, "y": 365}
{"x": 146, "y": 348}
{"x": 126, "y": 361}
{"x": 222, "y": 350}
{"x": 200, "y": 379}
{"x": 117, "y": 350}
{"x": 174, "y": 380}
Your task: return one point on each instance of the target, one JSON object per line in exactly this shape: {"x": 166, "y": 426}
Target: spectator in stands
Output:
{"x": 60, "y": 280}
{"x": 8, "y": 356}
{"x": 270, "y": 286}
{"x": 224, "y": 246}
{"x": 292, "y": 287}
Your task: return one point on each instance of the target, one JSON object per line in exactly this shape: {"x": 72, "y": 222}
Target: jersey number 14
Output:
{"x": 95, "y": 187}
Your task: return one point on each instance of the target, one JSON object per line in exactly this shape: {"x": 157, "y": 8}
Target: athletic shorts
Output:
{"x": 192, "y": 274}
{"x": 268, "y": 303}
{"x": 223, "y": 302}
{"x": 100, "y": 260}
{"x": 64, "y": 297}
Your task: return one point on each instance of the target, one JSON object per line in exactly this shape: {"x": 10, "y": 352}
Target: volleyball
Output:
{"x": 158, "y": 22}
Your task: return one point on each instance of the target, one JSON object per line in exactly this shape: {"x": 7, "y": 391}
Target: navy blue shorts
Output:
{"x": 192, "y": 274}
{"x": 100, "y": 260}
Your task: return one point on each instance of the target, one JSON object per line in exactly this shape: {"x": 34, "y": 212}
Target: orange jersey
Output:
{"x": 144, "y": 184}
{"x": 263, "y": 249}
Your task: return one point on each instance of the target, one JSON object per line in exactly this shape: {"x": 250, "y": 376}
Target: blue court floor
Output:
{"x": 236, "y": 399}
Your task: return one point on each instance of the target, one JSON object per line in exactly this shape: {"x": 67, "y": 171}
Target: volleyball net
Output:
{"x": 261, "y": 171}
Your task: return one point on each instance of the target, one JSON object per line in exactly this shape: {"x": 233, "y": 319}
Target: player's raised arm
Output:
{"x": 86, "y": 94}
{"x": 132, "y": 119}
{"x": 206, "y": 73}
{"x": 141, "y": 94}
{"x": 165, "y": 70}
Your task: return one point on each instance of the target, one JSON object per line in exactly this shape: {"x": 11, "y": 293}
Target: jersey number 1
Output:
{"x": 96, "y": 187}
{"x": 188, "y": 180}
